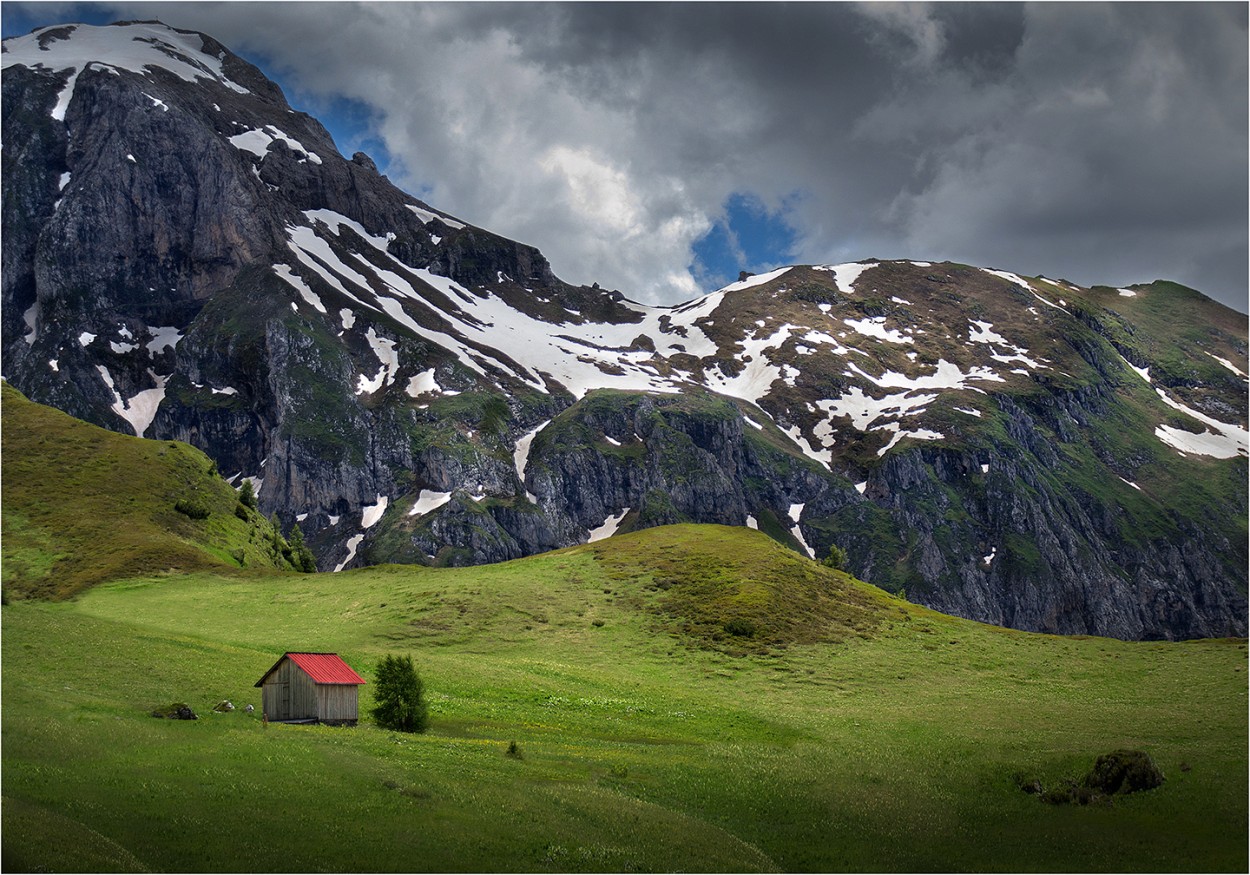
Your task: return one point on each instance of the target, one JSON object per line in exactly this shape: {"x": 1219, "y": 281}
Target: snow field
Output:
{"x": 608, "y": 528}
{"x": 258, "y": 140}
{"x": 428, "y": 500}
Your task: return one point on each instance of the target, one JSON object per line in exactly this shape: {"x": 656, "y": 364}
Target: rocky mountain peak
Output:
{"x": 185, "y": 256}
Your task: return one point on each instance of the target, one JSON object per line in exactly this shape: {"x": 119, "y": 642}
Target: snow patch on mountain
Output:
{"x": 140, "y": 409}
{"x": 1226, "y": 363}
{"x": 756, "y": 280}
{"x": 845, "y": 275}
{"x": 429, "y": 500}
{"x": 285, "y": 272}
{"x": 426, "y": 217}
{"x": 874, "y": 327}
{"x": 796, "y": 511}
{"x": 258, "y": 141}
{"x": 137, "y": 47}
{"x": 352, "y": 543}
{"x": 521, "y": 454}
{"x": 1226, "y": 441}
{"x": 163, "y": 337}
{"x": 384, "y": 349}
{"x": 608, "y": 528}
{"x": 371, "y": 513}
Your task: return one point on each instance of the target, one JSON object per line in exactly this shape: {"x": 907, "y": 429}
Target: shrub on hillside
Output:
{"x": 399, "y": 696}
{"x": 836, "y": 558}
{"x": 190, "y": 507}
{"x": 247, "y": 495}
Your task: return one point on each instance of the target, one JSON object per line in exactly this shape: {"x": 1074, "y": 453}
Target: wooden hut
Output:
{"x": 310, "y": 688}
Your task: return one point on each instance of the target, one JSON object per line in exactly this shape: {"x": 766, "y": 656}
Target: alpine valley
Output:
{"x": 186, "y": 257}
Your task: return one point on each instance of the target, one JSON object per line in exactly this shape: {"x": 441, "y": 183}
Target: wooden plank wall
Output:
{"x": 338, "y": 703}
{"x": 302, "y": 700}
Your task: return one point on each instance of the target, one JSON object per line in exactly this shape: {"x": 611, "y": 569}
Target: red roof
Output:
{"x": 323, "y": 668}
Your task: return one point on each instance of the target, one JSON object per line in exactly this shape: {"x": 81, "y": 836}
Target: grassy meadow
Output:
{"x": 849, "y": 732}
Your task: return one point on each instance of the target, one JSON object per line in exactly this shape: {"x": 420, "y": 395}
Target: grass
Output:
{"x": 644, "y": 747}
{"x": 83, "y": 505}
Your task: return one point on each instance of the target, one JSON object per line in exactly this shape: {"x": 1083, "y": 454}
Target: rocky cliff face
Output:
{"x": 185, "y": 256}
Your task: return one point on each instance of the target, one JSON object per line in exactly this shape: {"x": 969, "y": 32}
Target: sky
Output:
{"x": 660, "y": 149}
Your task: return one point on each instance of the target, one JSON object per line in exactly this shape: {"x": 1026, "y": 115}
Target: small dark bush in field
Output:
{"x": 1115, "y": 773}
{"x": 1124, "y": 771}
{"x": 741, "y": 627}
{"x": 193, "y": 509}
{"x": 1185, "y": 767}
{"x": 596, "y": 622}
{"x": 400, "y": 696}
{"x": 240, "y": 510}
{"x": 514, "y": 751}
{"x": 239, "y": 556}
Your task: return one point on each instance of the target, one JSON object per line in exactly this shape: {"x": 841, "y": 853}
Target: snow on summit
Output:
{"x": 137, "y": 47}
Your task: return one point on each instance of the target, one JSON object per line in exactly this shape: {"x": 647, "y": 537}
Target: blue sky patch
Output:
{"x": 748, "y": 236}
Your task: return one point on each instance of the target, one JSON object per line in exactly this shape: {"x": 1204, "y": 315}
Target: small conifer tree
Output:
{"x": 301, "y": 556}
{"x": 399, "y": 696}
{"x": 247, "y": 495}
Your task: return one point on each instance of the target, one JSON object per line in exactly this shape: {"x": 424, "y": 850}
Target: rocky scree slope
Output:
{"x": 187, "y": 257}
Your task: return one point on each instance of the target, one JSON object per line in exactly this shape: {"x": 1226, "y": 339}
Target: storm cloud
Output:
{"x": 1100, "y": 143}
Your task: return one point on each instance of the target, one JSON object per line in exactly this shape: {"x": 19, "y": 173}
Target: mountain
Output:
{"x": 187, "y": 257}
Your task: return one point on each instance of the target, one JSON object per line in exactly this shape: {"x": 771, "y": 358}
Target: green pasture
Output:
{"x": 850, "y": 732}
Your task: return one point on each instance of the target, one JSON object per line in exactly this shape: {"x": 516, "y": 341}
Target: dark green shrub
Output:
{"x": 1123, "y": 771}
{"x": 836, "y": 558}
{"x": 514, "y": 751}
{"x": 240, "y": 510}
{"x": 399, "y": 696}
{"x": 190, "y": 507}
{"x": 741, "y": 627}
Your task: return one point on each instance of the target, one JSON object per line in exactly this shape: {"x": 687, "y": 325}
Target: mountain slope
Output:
{"x": 187, "y": 257}
{"x": 83, "y": 505}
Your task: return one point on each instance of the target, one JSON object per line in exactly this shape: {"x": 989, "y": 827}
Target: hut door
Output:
{"x": 284, "y": 699}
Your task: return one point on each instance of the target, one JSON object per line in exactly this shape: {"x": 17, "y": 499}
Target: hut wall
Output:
{"x": 337, "y": 703}
{"x": 289, "y": 694}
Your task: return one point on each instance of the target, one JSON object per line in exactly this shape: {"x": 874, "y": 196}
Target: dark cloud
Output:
{"x": 1104, "y": 143}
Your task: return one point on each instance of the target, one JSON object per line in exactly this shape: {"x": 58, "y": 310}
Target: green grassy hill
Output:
{"x": 83, "y": 505}
{"x": 684, "y": 697}
{"x": 848, "y": 731}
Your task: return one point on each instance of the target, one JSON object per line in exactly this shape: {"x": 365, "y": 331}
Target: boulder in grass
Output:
{"x": 175, "y": 711}
{"x": 224, "y": 706}
{"x": 1124, "y": 771}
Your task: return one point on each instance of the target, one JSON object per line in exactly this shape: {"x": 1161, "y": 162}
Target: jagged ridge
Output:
{"x": 187, "y": 257}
